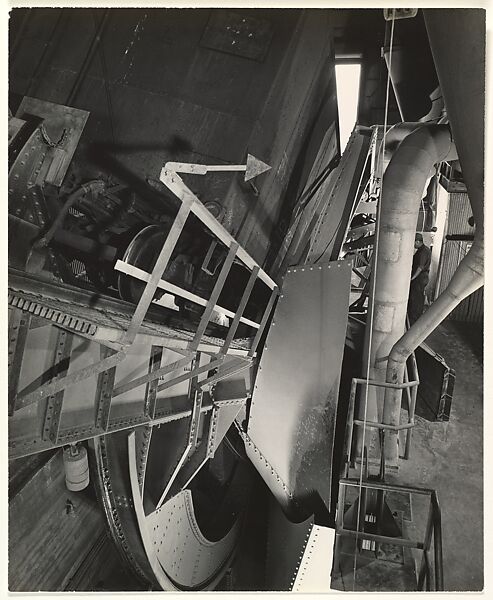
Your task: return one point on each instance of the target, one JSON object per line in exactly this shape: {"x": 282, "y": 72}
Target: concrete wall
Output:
{"x": 168, "y": 84}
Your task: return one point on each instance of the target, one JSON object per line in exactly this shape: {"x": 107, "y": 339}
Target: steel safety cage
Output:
{"x": 432, "y": 534}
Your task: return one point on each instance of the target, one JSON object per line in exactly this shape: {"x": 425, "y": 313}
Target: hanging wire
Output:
{"x": 372, "y": 303}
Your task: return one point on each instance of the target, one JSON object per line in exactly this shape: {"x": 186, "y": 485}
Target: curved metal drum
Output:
{"x": 188, "y": 541}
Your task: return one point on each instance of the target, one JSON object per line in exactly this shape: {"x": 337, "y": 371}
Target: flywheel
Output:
{"x": 177, "y": 523}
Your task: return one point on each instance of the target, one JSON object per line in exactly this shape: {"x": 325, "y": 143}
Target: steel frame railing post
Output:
{"x": 437, "y": 542}
{"x": 157, "y": 272}
{"x": 433, "y": 529}
{"x": 108, "y": 363}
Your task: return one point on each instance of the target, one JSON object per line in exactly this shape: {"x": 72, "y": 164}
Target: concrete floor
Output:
{"x": 448, "y": 456}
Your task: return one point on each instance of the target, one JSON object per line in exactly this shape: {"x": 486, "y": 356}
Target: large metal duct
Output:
{"x": 457, "y": 40}
{"x": 403, "y": 185}
{"x": 394, "y": 137}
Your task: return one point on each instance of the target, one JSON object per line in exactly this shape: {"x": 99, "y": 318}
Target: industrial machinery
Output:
{"x": 193, "y": 360}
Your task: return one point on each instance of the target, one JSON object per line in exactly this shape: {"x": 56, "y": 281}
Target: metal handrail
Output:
{"x": 351, "y": 421}
{"x": 385, "y": 384}
{"x": 437, "y": 542}
{"x": 108, "y": 362}
{"x": 411, "y": 401}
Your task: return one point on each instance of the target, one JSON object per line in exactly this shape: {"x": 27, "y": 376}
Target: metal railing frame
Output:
{"x": 409, "y": 387}
{"x": 116, "y": 354}
{"x": 433, "y": 532}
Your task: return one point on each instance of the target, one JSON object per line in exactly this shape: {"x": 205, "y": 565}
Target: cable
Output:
{"x": 308, "y": 193}
{"x": 232, "y": 448}
{"x": 372, "y": 304}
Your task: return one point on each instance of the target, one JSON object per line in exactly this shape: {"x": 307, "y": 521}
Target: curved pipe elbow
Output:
{"x": 401, "y": 131}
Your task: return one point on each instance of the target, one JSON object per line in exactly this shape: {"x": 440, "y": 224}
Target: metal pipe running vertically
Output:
{"x": 403, "y": 186}
{"x": 457, "y": 39}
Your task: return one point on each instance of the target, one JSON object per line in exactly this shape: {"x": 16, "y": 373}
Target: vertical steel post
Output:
{"x": 51, "y": 424}
{"x": 19, "y": 322}
{"x": 263, "y": 322}
{"x": 159, "y": 268}
{"x": 151, "y": 387}
{"x": 104, "y": 392}
{"x": 437, "y": 542}
{"x": 206, "y": 315}
{"x": 240, "y": 310}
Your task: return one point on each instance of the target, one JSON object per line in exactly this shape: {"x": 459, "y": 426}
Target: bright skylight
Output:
{"x": 347, "y": 81}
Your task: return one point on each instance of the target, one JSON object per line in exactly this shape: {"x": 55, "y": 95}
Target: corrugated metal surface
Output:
{"x": 470, "y": 309}
{"x": 50, "y": 531}
{"x": 459, "y": 212}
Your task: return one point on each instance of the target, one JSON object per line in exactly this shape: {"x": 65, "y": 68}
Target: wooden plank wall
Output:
{"x": 51, "y": 530}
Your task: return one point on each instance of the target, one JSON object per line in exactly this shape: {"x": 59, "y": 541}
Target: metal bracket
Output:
{"x": 51, "y": 424}
{"x": 18, "y": 328}
{"x": 153, "y": 375}
{"x": 196, "y": 395}
{"x": 212, "y": 432}
{"x": 143, "y": 440}
{"x": 390, "y": 14}
{"x": 104, "y": 393}
{"x": 151, "y": 387}
{"x": 207, "y": 260}
{"x": 193, "y": 436}
{"x": 236, "y": 365}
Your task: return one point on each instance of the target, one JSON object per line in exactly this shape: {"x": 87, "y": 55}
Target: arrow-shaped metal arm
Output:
{"x": 253, "y": 167}
{"x": 196, "y": 169}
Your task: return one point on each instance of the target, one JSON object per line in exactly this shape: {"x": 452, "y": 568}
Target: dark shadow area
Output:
{"x": 102, "y": 156}
{"x": 297, "y": 179}
{"x": 473, "y": 336}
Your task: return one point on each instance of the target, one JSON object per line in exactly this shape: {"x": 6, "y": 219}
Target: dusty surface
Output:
{"x": 449, "y": 458}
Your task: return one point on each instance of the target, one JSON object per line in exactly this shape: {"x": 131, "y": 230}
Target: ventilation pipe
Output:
{"x": 404, "y": 182}
{"x": 457, "y": 40}
{"x": 394, "y": 137}
{"x": 468, "y": 277}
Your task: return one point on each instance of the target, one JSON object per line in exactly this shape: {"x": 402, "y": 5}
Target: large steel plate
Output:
{"x": 292, "y": 418}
